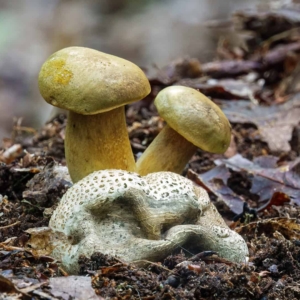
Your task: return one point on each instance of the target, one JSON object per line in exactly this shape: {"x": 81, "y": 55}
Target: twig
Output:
{"x": 266, "y": 44}
{"x": 10, "y": 225}
{"x": 26, "y": 129}
{"x": 44, "y": 295}
{"x": 155, "y": 264}
{"x": 33, "y": 287}
{"x": 62, "y": 271}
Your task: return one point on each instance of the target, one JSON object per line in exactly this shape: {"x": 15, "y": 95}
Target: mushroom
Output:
{"x": 138, "y": 218}
{"x": 94, "y": 87}
{"x": 192, "y": 121}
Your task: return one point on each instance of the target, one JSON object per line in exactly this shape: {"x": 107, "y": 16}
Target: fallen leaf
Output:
{"x": 275, "y": 123}
{"x": 6, "y": 286}
{"x": 267, "y": 23}
{"x": 72, "y": 287}
{"x": 196, "y": 268}
{"x": 278, "y": 199}
{"x": 224, "y": 88}
{"x": 215, "y": 181}
{"x": 266, "y": 181}
{"x": 109, "y": 270}
{"x": 40, "y": 241}
{"x": 177, "y": 69}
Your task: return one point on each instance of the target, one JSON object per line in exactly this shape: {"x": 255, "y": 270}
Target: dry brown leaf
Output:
{"x": 275, "y": 123}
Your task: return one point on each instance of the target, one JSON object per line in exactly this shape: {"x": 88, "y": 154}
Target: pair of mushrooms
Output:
{"x": 94, "y": 87}
{"x": 114, "y": 209}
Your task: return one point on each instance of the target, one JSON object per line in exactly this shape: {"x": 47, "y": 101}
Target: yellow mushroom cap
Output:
{"x": 88, "y": 81}
{"x": 195, "y": 117}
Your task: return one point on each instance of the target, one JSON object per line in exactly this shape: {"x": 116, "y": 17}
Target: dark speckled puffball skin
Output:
{"x": 139, "y": 218}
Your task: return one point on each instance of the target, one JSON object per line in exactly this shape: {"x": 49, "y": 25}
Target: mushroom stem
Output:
{"x": 169, "y": 151}
{"x": 97, "y": 142}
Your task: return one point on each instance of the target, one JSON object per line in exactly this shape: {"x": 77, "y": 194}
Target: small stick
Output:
{"x": 11, "y": 225}
{"x": 152, "y": 263}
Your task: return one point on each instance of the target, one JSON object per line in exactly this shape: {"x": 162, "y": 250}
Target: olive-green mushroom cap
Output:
{"x": 195, "y": 117}
{"x": 88, "y": 81}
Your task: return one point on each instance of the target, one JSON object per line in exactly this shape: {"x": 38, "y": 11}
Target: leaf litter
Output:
{"x": 255, "y": 184}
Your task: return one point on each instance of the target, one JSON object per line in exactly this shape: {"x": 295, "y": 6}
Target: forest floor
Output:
{"x": 255, "y": 185}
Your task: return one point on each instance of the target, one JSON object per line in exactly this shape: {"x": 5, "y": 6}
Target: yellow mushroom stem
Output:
{"x": 169, "y": 151}
{"x": 97, "y": 142}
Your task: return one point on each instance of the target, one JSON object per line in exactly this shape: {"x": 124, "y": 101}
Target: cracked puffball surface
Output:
{"x": 139, "y": 218}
